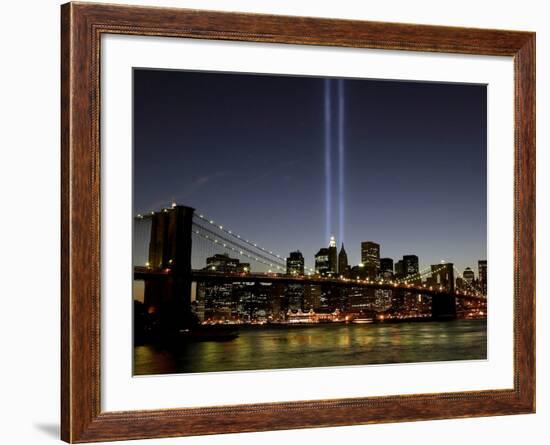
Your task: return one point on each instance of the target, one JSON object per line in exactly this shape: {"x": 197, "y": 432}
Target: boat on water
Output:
{"x": 362, "y": 320}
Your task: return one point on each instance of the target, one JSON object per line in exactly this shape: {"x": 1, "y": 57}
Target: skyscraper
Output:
{"x": 332, "y": 256}
{"x": 410, "y": 265}
{"x": 312, "y": 297}
{"x": 468, "y": 276}
{"x": 322, "y": 263}
{"x": 295, "y": 263}
{"x": 399, "y": 269}
{"x": 482, "y": 271}
{"x": 223, "y": 263}
{"x": 386, "y": 267}
{"x": 342, "y": 261}
{"x": 370, "y": 257}
{"x": 295, "y": 296}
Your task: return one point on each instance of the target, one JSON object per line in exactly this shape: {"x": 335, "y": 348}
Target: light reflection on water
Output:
{"x": 321, "y": 345}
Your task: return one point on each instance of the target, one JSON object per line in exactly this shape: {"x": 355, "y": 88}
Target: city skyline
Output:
{"x": 328, "y": 261}
{"x": 305, "y": 269}
{"x": 227, "y": 290}
{"x": 408, "y": 200}
{"x": 200, "y": 258}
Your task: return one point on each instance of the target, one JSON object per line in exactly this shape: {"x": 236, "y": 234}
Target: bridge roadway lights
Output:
{"x": 169, "y": 292}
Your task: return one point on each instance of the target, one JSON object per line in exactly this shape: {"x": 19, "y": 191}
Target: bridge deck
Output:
{"x": 143, "y": 273}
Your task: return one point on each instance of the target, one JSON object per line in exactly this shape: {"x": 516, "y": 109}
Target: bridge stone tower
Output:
{"x": 444, "y": 305}
{"x": 170, "y": 252}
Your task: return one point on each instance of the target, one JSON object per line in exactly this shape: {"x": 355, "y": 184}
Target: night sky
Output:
{"x": 407, "y": 163}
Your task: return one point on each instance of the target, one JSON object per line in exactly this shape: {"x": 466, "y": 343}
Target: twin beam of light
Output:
{"x": 328, "y": 157}
{"x": 341, "y": 160}
{"x": 328, "y": 160}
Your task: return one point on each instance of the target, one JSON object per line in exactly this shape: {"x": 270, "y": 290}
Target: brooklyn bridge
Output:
{"x": 172, "y": 237}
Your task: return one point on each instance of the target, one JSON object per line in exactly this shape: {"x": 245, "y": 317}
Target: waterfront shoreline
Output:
{"x": 275, "y": 325}
{"x": 320, "y": 345}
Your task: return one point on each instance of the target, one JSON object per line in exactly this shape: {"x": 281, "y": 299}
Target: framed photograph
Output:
{"x": 275, "y": 222}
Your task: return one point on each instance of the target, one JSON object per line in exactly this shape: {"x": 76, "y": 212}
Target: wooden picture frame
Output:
{"x": 82, "y": 26}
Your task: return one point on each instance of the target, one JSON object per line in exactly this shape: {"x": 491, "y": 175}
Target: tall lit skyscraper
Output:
{"x": 332, "y": 256}
{"x": 295, "y": 263}
{"x": 370, "y": 256}
{"x": 410, "y": 265}
{"x": 322, "y": 263}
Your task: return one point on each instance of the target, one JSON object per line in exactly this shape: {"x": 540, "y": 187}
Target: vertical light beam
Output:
{"x": 328, "y": 173}
{"x": 341, "y": 155}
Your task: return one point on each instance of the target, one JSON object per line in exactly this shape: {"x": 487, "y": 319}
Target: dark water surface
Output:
{"x": 321, "y": 345}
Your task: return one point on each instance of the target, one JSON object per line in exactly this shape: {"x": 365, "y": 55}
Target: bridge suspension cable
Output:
{"x": 421, "y": 274}
{"x": 237, "y": 251}
{"x": 266, "y": 252}
{"x": 218, "y": 235}
{"x": 241, "y": 249}
{"x": 413, "y": 277}
{"x": 237, "y": 236}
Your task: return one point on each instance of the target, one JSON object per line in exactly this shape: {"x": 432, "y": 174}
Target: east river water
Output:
{"x": 320, "y": 345}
